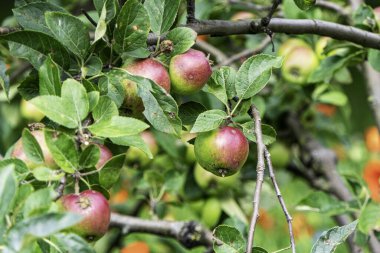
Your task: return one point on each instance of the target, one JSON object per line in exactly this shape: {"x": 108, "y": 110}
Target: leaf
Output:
{"x": 90, "y": 156}
{"x": 112, "y": 86}
{"x": 31, "y": 147}
{"x": 73, "y": 243}
{"x": 36, "y": 46}
{"x": 110, "y": 5}
{"x": 183, "y": 38}
{"x": 8, "y": 188}
{"x": 322, "y": 202}
{"x": 75, "y": 96}
{"x": 222, "y": 84}
{"x": 101, "y": 27}
{"x": 370, "y": 218}
{"x": 118, "y": 126}
{"x": 4, "y": 78}
{"x": 162, "y": 14}
{"x": 374, "y": 59}
{"x": 93, "y": 100}
{"x": 50, "y": 78}
{"x": 31, "y": 16}
{"x": 229, "y": 240}
{"x": 46, "y": 174}
{"x": 269, "y": 134}
{"x": 105, "y": 109}
{"x": 330, "y": 239}
{"x": 70, "y": 31}
{"x": 39, "y": 202}
{"x": 232, "y": 209}
{"x": 189, "y": 111}
{"x": 209, "y": 120}
{"x": 110, "y": 172}
{"x": 364, "y": 17}
{"x": 40, "y": 226}
{"x": 20, "y": 167}
{"x": 63, "y": 150}
{"x": 305, "y": 4}
{"x": 334, "y": 97}
{"x": 92, "y": 67}
{"x": 132, "y": 27}
{"x": 254, "y": 74}
{"x": 134, "y": 141}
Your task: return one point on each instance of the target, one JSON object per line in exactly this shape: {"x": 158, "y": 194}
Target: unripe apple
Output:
{"x": 147, "y": 68}
{"x": 289, "y": 45}
{"x": 376, "y": 11}
{"x": 211, "y": 212}
{"x": 18, "y": 151}
{"x": 136, "y": 156}
{"x": 280, "y": 155}
{"x": 94, "y": 209}
{"x": 222, "y": 151}
{"x": 30, "y": 112}
{"x": 299, "y": 64}
{"x": 241, "y": 15}
{"x": 105, "y": 155}
{"x": 189, "y": 72}
{"x": 320, "y": 47}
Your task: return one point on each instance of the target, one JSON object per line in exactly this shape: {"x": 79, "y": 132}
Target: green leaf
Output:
{"x": 269, "y": 134}
{"x": 132, "y": 27}
{"x": 39, "y": 202}
{"x": 101, "y": 27}
{"x": 110, "y": 172}
{"x": 50, "y": 78}
{"x": 370, "y": 218}
{"x": 19, "y": 166}
{"x": 8, "y": 188}
{"x": 322, "y": 202}
{"x": 63, "y": 150}
{"x": 229, "y": 240}
{"x": 118, "y": 126}
{"x": 40, "y": 226}
{"x": 134, "y": 141}
{"x": 305, "y": 4}
{"x": 110, "y": 5}
{"x": 232, "y": 209}
{"x": 92, "y": 67}
{"x": 89, "y": 157}
{"x": 364, "y": 17}
{"x": 183, "y": 39}
{"x": 73, "y": 243}
{"x": 31, "y": 16}
{"x": 112, "y": 86}
{"x": 209, "y": 120}
{"x": 254, "y": 74}
{"x": 93, "y": 100}
{"x": 189, "y": 111}
{"x": 31, "y": 147}
{"x": 334, "y": 97}
{"x": 75, "y": 96}
{"x": 162, "y": 14}
{"x": 4, "y": 78}
{"x": 38, "y": 45}
{"x": 222, "y": 84}
{"x": 46, "y": 174}
{"x": 329, "y": 240}
{"x": 374, "y": 59}
{"x": 70, "y": 31}
{"x": 105, "y": 109}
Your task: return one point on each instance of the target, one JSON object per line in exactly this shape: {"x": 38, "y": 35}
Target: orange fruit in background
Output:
{"x": 301, "y": 226}
{"x": 202, "y": 37}
{"x": 136, "y": 247}
{"x": 326, "y": 109}
{"x": 119, "y": 197}
{"x": 371, "y": 175}
{"x": 265, "y": 220}
{"x": 372, "y": 139}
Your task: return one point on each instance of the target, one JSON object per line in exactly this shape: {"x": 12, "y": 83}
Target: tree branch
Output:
{"x": 333, "y": 7}
{"x": 189, "y": 234}
{"x": 190, "y": 12}
{"x": 255, "y": 114}
{"x": 373, "y": 89}
{"x": 207, "y": 47}
{"x": 250, "y": 6}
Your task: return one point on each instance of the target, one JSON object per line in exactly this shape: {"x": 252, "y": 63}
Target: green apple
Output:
{"x": 289, "y": 45}
{"x": 280, "y": 155}
{"x": 135, "y": 156}
{"x": 30, "y": 112}
{"x": 211, "y": 213}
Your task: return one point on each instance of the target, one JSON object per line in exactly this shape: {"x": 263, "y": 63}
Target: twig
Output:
{"x": 61, "y": 187}
{"x": 5, "y": 30}
{"x": 246, "y": 53}
{"x": 24, "y": 67}
{"x": 250, "y": 6}
{"x": 189, "y": 234}
{"x": 255, "y": 114}
{"x": 373, "y": 91}
{"x": 92, "y": 21}
{"x": 280, "y": 199}
{"x": 207, "y": 47}
{"x": 190, "y": 18}
{"x": 333, "y": 7}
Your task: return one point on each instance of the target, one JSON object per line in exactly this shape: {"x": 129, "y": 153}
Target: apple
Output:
{"x": 212, "y": 210}
{"x": 18, "y": 152}
{"x": 105, "y": 155}
{"x": 320, "y": 47}
{"x": 189, "y": 72}
{"x": 326, "y": 109}
{"x": 280, "y": 155}
{"x": 94, "y": 209}
{"x": 241, "y": 15}
{"x": 30, "y": 112}
{"x": 372, "y": 139}
{"x": 148, "y": 68}
{"x": 136, "y": 156}
{"x": 376, "y": 11}
{"x": 136, "y": 247}
{"x": 299, "y": 64}
{"x": 289, "y": 45}
{"x": 371, "y": 175}
{"x": 222, "y": 151}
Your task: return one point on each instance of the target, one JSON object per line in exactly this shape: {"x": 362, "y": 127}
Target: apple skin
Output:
{"x": 211, "y": 213}
{"x": 94, "y": 208}
{"x": 18, "y": 152}
{"x": 189, "y": 72}
{"x": 280, "y": 155}
{"x": 372, "y": 139}
{"x": 371, "y": 175}
{"x": 299, "y": 64}
{"x": 105, "y": 155}
{"x": 147, "y": 68}
{"x": 30, "y": 112}
{"x": 136, "y": 156}
{"x": 289, "y": 45}
{"x": 241, "y": 15}
{"x": 222, "y": 151}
